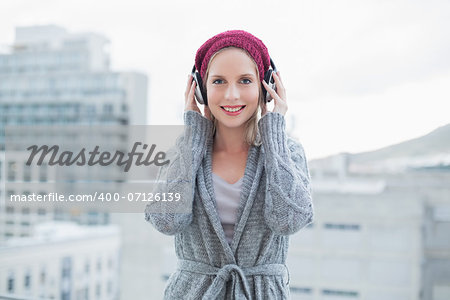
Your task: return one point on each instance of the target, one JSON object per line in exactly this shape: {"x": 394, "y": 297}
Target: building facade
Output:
{"x": 50, "y": 77}
{"x": 62, "y": 261}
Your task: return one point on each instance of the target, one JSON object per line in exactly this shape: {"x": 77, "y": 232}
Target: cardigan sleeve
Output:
{"x": 179, "y": 176}
{"x": 288, "y": 204}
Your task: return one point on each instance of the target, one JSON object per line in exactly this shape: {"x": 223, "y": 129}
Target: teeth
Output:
{"x": 232, "y": 109}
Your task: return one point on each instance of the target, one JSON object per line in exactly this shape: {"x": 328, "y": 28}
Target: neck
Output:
{"x": 230, "y": 140}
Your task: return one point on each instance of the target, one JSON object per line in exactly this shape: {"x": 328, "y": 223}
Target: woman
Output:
{"x": 245, "y": 184}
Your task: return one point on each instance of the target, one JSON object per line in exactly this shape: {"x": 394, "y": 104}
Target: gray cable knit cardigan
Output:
{"x": 275, "y": 202}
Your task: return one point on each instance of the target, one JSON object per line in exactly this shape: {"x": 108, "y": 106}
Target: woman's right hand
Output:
{"x": 189, "y": 99}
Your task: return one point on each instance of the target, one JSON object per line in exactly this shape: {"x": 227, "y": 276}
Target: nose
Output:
{"x": 232, "y": 92}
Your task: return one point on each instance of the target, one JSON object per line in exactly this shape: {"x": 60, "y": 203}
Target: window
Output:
{"x": 342, "y": 226}
{"x": 58, "y": 214}
{"x": 42, "y": 278}
{"x": 108, "y": 108}
{"x": 26, "y": 194}
{"x": 43, "y": 172}
{"x": 350, "y": 294}
{"x": 110, "y": 287}
{"x": 10, "y": 284}
{"x": 87, "y": 267}
{"x": 9, "y": 209}
{"x": 12, "y": 168}
{"x": 66, "y": 277}
{"x": 26, "y": 172}
{"x": 27, "y": 280}
{"x": 98, "y": 290}
{"x": 99, "y": 264}
{"x": 105, "y": 218}
{"x": 300, "y": 290}
{"x": 66, "y": 267}
{"x": 90, "y": 110}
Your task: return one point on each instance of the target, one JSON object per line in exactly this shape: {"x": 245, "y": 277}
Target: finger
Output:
{"x": 271, "y": 91}
{"x": 192, "y": 92}
{"x": 277, "y": 79}
{"x": 281, "y": 79}
{"x": 188, "y": 86}
{"x": 190, "y": 96}
{"x": 281, "y": 91}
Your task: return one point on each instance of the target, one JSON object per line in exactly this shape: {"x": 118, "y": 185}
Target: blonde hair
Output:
{"x": 252, "y": 135}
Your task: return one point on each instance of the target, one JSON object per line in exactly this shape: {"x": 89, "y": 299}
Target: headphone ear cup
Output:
{"x": 264, "y": 92}
{"x": 199, "y": 92}
{"x": 269, "y": 80}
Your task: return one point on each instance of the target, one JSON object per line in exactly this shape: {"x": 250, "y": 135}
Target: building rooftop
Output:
{"x": 57, "y": 232}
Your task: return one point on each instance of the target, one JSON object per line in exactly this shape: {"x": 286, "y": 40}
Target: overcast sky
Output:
{"x": 360, "y": 75}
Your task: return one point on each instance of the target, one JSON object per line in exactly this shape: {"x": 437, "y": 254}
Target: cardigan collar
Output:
{"x": 252, "y": 176}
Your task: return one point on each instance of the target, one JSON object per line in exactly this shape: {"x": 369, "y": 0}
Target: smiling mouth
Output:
{"x": 233, "y": 109}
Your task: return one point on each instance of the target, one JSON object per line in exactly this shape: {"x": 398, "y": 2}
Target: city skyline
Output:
{"x": 59, "y": 78}
{"x": 375, "y": 235}
{"x": 351, "y": 89}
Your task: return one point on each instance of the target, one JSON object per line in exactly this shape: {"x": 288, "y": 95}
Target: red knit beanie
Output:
{"x": 237, "y": 38}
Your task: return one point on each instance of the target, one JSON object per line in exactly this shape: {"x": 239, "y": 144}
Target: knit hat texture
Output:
{"x": 237, "y": 38}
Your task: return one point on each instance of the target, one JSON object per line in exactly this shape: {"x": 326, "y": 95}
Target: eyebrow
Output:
{"x": 242, "y": 75}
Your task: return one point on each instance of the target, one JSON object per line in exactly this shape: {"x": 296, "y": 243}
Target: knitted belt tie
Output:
{"x": 226, "y": 272}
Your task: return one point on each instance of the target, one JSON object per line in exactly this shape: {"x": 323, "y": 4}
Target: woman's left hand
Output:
{"x": 278, "y": 96}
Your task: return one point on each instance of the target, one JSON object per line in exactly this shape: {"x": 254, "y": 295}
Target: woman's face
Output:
{"x": 232, "y": 87}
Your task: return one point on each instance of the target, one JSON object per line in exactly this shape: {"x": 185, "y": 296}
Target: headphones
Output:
{"x": 200, "y": 94}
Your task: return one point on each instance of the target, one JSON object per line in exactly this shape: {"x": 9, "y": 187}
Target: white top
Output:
{"x": 227, "y": 197}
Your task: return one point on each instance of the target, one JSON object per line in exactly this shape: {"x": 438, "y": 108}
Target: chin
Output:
{"x": 232, "y": 124}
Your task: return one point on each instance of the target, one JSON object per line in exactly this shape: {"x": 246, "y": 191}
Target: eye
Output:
{"x": 246, "y": 81}
{"x": 217, "y": 81}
